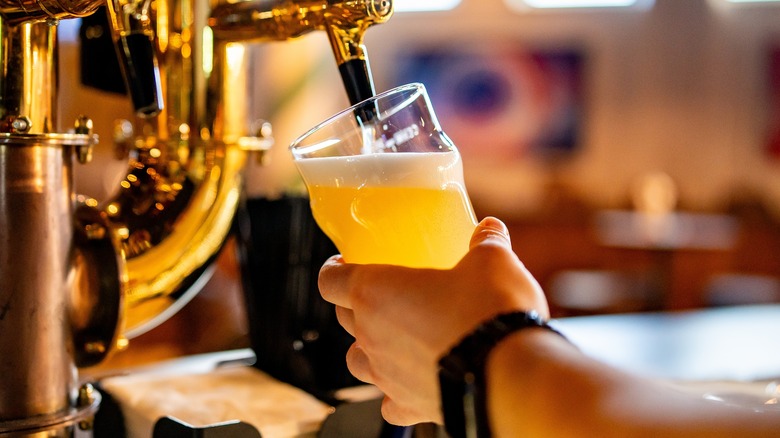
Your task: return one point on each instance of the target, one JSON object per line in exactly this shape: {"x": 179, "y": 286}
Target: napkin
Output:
{"x": 276, "y": 409}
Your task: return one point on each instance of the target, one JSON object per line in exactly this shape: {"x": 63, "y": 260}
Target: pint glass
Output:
{"x": 386, "y": 183}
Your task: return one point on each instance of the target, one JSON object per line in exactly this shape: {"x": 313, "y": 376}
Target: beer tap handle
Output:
{"x": 352, "y": 60}
{"x": 133, "y": 36}
{"x": 358, "y": 81}
{"x": 345, "y": 31}
{"x": 136, "y": 55}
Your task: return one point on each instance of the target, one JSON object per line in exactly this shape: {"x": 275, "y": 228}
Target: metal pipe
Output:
{"x": 60, "y": 272}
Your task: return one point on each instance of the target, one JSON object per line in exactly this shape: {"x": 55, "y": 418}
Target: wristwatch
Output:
{"x": 462, "y": 373}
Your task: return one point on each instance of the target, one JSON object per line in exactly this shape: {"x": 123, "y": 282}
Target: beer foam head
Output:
{"x": 403, "y": 169}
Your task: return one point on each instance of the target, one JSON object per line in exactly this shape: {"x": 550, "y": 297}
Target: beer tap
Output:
{"x": 346, "y": 38}
{"x": 61, "y": 268}
{"x": 134, "y": 40}
{"x": 194, "y": 148}
{"x": 78, "y": 277}
{"x": 344, "y": 21}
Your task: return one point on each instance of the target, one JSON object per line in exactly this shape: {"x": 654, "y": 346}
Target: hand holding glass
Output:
{"x": 386, "y": 184}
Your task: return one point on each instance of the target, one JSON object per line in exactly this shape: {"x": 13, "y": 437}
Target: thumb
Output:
{"x": 493, "y": 231}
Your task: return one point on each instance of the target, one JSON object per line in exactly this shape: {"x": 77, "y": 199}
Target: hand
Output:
{"x": 405, "y": 319}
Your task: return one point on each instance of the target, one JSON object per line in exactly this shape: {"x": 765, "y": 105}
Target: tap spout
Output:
{"x": 344, "y": 21}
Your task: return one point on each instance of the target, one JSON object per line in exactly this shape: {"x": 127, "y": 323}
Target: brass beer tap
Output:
{"x": 62, "y": 270}
{"x": 79, "y": 276}
{"x": 185, "y": 177}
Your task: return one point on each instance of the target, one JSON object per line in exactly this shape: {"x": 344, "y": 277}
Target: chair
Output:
{"x": 597, "y": 291}
{"x": 734, "y": 289}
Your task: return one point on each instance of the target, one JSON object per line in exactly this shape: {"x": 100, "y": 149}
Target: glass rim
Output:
{"x": 417, "y": 87}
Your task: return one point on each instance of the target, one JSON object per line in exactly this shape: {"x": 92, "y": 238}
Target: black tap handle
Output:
{"x": 358, "y": 82}
{"x": 136, "y": 54}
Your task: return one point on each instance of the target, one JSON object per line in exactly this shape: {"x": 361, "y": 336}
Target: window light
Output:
{"x": 747, "y": 4}
{"x": 424, "y": 5}
{"x": 581, "y": 4}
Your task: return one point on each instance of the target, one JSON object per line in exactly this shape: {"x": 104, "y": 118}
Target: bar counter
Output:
{"x": 729, "y": 354}
{"x": 731, "y": 343}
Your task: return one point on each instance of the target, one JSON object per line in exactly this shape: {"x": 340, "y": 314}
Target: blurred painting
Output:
{"x": 507, "y": 101}
{"x": 514, "y": 113}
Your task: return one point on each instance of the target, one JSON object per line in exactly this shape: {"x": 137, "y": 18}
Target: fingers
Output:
{"x": 358, "y": 364}
{"x": 491, "y": 230}
{"x": 346, "y": 318}
{"x": 350, "y": 285}
{"x": 402, "y": 415}
{"x": 333, "y": 279}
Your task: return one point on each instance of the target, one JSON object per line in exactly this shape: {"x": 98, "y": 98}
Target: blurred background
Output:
{"x": 632, "y": 147}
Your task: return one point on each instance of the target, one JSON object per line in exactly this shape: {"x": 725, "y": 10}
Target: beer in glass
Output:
{"x": 386, "y": 184}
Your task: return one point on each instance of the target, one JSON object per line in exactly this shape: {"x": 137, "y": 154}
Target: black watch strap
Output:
{"x": 462, "y": 373}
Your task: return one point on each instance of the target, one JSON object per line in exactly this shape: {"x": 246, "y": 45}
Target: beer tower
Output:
{"x": 77, "y": 276}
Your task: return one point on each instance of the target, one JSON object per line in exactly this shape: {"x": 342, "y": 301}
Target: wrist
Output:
{"x": 462, "y": 372}
{"x": 525, "y": 377}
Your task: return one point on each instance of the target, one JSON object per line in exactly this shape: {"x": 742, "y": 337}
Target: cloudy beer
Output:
{"x": 406, "y": 209}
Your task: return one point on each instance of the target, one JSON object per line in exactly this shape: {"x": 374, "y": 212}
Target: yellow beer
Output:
{"x": 406, "y": 209}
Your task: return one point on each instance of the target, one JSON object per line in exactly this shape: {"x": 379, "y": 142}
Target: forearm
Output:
{"x": 540, "y": 385}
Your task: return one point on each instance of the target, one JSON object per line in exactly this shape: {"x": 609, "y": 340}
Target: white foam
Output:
{"x": 412, "y": 169}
